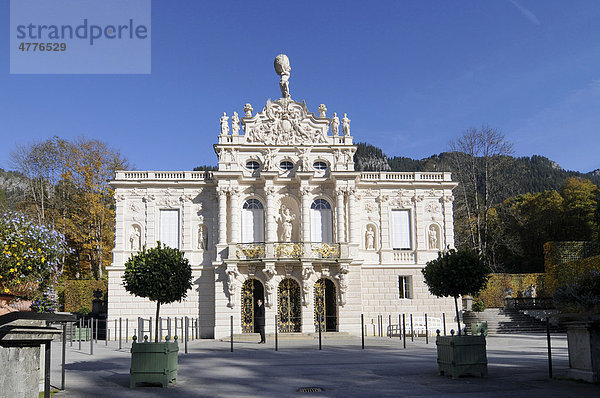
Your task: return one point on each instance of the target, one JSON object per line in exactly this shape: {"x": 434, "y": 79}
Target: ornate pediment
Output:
{"x": 286, "y": 122}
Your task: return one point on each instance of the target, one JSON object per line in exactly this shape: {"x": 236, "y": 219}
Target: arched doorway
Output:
{"x": 252, "y": 290}
{"x": 325, "y": 305}
{"x": 289, "y": 310}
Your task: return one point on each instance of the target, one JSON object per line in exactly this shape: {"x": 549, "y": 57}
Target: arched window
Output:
{"x": 253, "y": 221}
{"x": 252, "y": 165}
{"x": 321, "y": 220}
{"x": 320, "y": 165}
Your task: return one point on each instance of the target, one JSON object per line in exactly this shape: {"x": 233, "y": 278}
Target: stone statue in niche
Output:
{"x": 433, "y": 237}
{"x": 370, "y": 238}
{"x": 135, "y": 238}
{"x": 335, "y": 124}
{"x": 304, "y": 156}
{"x": 202, "y": 237}
{"x": 235, "y": 124}
{"x": 283, "y": 68}
{"x": 346, "y": 125}
{"x": 286, "y": 219}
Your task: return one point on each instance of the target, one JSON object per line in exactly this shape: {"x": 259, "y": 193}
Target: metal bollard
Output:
{"x": 169, "y": 326}
{"x": 175, "y": 326}
{"x": 320, "y": 327}
{"x": 230, "y": 330}
{"x": 390, "y": 325}
{"x": 399, "y": 327}
{"x": 549, "y": 347}
{"x": 91, "y": 322}
{"x": 276, "y": 327}
{"x": 444, "y": 320}
{"x": 106, "y": 334}
{"x": 116, "y": 329}
{"x": 96, "y": 330}
{"x": 120, "y": 333}
{"x": 426, "y": 331}
{"x": 362, "y": 329}
{"x": 150, "y": 329}
{"x": 404, "y": 329}
{"x": 187, "y": 328}
{"x": 198, "y": 327}
{"x": 126, "y": 330}
{"x": 80, "y": 327}
{"x": 64, "y": 351}
{"x": 412, "y": 330}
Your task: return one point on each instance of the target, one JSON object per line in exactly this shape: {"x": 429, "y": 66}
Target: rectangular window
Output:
{"x": 401, "y": 238}
{"x": 169, "y": 228}
{"x": 404, "y": 287}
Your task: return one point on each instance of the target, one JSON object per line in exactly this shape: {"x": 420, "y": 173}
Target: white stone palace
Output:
{"x": 286, "y": 218}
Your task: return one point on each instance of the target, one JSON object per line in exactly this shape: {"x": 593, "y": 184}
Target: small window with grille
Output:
{"x": 320, "y": 165}
{"x": 252, "y": 165}
{"x": 286, "y": 165}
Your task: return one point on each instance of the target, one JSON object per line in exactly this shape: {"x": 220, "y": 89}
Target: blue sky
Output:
{"x": 411, "y": 75}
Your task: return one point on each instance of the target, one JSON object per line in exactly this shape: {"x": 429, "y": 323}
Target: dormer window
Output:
{"x": 320, "y": 166}
{"x": 252, "y": 165}
{"x": 286, "y": 165}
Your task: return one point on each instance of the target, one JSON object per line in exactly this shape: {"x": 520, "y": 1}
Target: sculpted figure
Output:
{"x": 304, "y": 156}
{"x": 346, "y": 125}
{"x": 134, "y": 239}
{"x": 235, "y": 124}
{"x": 283, "y": 68}
{"x": 370, "y": 238}
{"x": 335, "y": 124}
{"x": 433, "y": 237}
{"x": 286, "y": 219}
{"x": 248, "y": 109}
{"x": 202, "y": 238}
{"x": 224, "y": 124}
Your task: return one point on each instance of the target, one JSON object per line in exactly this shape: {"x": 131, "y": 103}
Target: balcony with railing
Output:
{"x": 287, "y": 251}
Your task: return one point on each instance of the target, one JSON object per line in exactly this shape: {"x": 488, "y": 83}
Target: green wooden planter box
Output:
{"x": 85, "y": 334}
{"x": 461, "y": 355}
{"x": 153, "y": 362}
{"x": 478, "y": 327}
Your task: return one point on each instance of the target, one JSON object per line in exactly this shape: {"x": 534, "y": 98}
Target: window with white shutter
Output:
{"x": 401, "y": 236}
{"x": 253, "y": 229}
{"x": 169, "y": 228}
{"x": 321, "y": 221}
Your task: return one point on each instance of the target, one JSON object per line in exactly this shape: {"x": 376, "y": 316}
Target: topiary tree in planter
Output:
{"x": 454, "y": 274}
{"x": 161, "y": 274}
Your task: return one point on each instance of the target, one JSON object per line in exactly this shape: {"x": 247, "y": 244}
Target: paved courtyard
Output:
{"x": 517, "y": 368}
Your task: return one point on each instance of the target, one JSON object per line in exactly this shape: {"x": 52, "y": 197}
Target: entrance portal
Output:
{"x": 325, "y": 306}
{"x": 252, "y": 290}
{"x": 289, "y": 310}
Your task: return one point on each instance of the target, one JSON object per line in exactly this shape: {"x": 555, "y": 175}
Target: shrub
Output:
{"x": 30, "y": 255}
{"x": 581, "y": 296}
{"x": 456, "y": 273}
{"x": 80, "y": 293}
{"x": 478, "y": 305}
{"x": 161, "y": 274}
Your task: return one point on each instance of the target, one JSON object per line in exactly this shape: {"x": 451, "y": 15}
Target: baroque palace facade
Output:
{"x": 287, "y": 219}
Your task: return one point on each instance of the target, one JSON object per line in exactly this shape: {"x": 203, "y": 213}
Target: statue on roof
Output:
{"x": 283, "y": 68}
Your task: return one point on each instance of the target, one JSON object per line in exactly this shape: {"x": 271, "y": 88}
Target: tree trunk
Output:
{"x": 156, "y": 333}
{"x": 457, "y": 314}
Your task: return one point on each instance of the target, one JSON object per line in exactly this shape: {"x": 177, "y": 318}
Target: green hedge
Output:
{"x": 564, "y": 273}
{"x": 494, "y": 292}
{"x": 80, "y": 293}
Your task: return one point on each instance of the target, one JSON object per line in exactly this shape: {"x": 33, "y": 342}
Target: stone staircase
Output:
{"x": 501, "y": 320}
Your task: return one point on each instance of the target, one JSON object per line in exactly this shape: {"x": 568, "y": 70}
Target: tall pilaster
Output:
{"x": 305, "y": 192}
{"x": 340, "y": 215}
{"x": 352, "y": 214}
{"x": 222, "y": 194}
{"x": 270, "y": 214}
{"x": 234, "y": 208}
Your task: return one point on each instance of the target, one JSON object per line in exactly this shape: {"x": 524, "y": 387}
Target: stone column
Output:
{"x": 222, "y": 193}
{"x": 305, "y": 192}
{"x": 340, "y": 215}
{"x": 270, "y": 214}
{"x": 352, "y": 214}
{"x": 234, "y": 208}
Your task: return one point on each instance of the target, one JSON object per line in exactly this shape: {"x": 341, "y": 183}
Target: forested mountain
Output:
{"x": 529, "y": 174}
{"x": 12, "y": 188}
